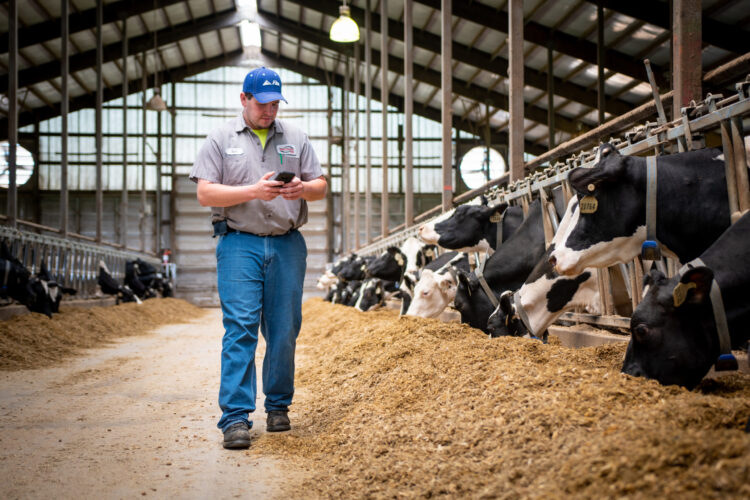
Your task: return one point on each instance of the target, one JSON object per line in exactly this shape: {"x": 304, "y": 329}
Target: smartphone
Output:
{"x": 283, "y": 177}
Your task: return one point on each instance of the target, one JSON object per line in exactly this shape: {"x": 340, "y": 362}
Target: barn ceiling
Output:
{"x": 182, "y": 38}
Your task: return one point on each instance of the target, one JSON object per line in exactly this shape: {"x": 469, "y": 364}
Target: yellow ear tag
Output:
{"x": 399, "y": 259}
{"x": 496, "y": 217}
{"x": 588, "y": 205}
{"x": 679, "y": 294}
{"x": 591, "y": 187}
{"x": 429, "y": 252}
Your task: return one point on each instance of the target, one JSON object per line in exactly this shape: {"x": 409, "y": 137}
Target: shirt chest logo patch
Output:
{"x": 287, "y": 150}
{"x": 234, "y": 151}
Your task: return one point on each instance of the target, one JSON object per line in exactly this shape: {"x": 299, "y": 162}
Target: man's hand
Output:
{"x": 293, "y": 190}
{"x": 266, "y": 189}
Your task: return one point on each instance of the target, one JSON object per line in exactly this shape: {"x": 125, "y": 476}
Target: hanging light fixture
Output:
{"x": 156, "y": 103}
{"x": 344, "y": 29}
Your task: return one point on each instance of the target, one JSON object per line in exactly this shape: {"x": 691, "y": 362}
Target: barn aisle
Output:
{"x": 136, "y": 419}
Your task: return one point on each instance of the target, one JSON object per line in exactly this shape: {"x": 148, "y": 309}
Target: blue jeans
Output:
{"x": 260, "y": 282}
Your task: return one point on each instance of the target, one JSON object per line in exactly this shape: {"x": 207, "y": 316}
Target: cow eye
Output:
{"x": 640, "y": 332}
{"x": 425, "y": 293}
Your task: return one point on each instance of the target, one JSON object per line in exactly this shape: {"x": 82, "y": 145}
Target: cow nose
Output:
{"x": 552, "y": 261}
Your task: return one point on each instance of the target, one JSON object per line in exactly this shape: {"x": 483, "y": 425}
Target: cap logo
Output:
{"x": 275, "y": 82}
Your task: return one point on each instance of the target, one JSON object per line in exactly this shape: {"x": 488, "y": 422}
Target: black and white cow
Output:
{"x": 401, "y": 264}
{"x": 506, "y": 269}
{"x": 692, "y": 209}
{"x": 674, "y": 335}
{"x": 471, "y": 228}
{"x": 351, "y": 267}
{"x": 55, "y": 290}
{"x": 15, "y": 277}
{"x": 373, "y": 293}
{"x": 110, "y": 286}
{"x": 437, "y": 284}
{"x": 545, "y": 295}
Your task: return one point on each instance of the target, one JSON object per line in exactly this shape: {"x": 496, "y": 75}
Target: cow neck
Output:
{"x": 480, "y": 277}
{"x": 521, "y": 312}
{"x": 726, "y": 360}
{"x": 650, "y": 248}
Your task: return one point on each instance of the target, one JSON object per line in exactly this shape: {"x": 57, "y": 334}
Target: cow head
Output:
{"x": 504, "y": 321}
{"x": 432, "y": 294}
{"x": 467, "y": 230}
{"x": 673, "y": 334}
{"x": 471, "y": 301}
{"x": 371, "y": 295}
{"x": 613, "y": 228}
{"x": 390, "y": 265}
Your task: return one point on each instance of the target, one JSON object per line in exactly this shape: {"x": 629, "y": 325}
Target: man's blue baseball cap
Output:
{"x": 264, "y": 84}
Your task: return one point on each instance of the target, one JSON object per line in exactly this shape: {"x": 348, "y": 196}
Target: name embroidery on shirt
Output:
{"x": 234, "y": 151}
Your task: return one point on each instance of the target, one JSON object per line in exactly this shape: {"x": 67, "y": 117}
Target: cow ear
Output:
{"x": 465, "y": 279}
{"x": 694, "y": 286}
{"x": 588, "y": 180}
{"x": 506, "y": 302}
{"x": 653, "y": 276}
{"x": 393, "y": 250}
{"x": 604, "y": 151}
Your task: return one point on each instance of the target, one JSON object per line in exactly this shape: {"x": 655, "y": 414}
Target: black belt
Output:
{"x": 221, "y": 228}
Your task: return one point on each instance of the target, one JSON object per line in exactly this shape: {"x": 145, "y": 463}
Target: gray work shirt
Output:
{"x": 232, "y": 155}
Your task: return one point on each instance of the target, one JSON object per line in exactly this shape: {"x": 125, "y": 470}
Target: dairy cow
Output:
{"x": 109, "y": 285}
{"x": 545, "y": 295}
{"x": 506, "y": 269}
{"x": 674, "y": 335}
{"x": 401, "y": 264}
{"x": 472, "y": 228}
{"x": 437, "y": 283}
{"x": 54, "y": 289}
{"x": 691, "y": 209}
{"x": 373, "y": 293}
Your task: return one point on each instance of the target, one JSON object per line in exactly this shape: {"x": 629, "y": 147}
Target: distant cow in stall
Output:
{"x": 373, "y": 293}
{"x": 692, "y": 209}
{"x": 674, "y": 333}
{"x": 15, "y": 277}
{"x": 54, "y": 289}
{"x": 133, "y": 281}
{"x": 545, "y": 295}
{"x": 506, "y": 269}
{"x": 110, "y": 286}
{"x": 473, "y": 228}
{"x": 437, "y": 284}
{"x": 401, "y": 264}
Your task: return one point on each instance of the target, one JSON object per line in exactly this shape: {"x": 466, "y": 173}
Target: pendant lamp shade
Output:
{"x": 344, "y": 29}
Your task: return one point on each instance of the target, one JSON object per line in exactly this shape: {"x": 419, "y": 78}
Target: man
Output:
{"x": 260, "y": 255}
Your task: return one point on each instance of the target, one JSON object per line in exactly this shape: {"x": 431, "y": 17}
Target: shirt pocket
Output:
{"x": 236, "y": 170}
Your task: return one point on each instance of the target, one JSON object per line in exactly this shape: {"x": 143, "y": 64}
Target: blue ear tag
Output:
{"x": 726, "y": 362}
{"x": 650, "y": 250}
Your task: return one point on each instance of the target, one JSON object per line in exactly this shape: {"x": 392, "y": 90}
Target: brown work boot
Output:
{"x": 277, "y": 421}
{"x": 237, "y": 436}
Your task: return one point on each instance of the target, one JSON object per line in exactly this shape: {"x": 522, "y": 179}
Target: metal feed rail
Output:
{"x": 75, "y": 264}
{"x": 714, "y": 112}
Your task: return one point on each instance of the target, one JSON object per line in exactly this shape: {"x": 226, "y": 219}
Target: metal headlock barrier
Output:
{"x": 74, "y": 264}
{"x": 686, "y": 133}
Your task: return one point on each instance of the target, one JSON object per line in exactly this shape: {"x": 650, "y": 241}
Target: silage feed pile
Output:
{"x": 407, "y": 407}
{"x": 33, "y": 340}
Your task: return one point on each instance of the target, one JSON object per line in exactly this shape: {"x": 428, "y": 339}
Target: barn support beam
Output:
{"x": 408, "y": 112}
{"x": 515, "y": 74}
{"x": 99, "y": 101}
{"x": 356, "y": 147}
{"x": 368, "y": 124}
{"x": 686, "y": 54}
{"x": 446, "y": 64}
{"x": 345, "y": 208}
{"x": 64, "y": 202}
{"x": 384, "y": 99}
{"x": 12, "y": 119}
{"x": 124, "y": 193}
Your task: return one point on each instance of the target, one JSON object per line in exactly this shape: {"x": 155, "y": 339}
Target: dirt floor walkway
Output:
{"x": 137, "y": 419}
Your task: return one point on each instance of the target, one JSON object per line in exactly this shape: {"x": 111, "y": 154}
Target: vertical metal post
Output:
{"x": 173, "y": 195}
{"x": 345, "y": 210}
{"x": 409, "y": 110}
{"x": 515, "y": 73}
{"x": 600, "y": 60}
{"x": 550, "y": 96}
{"x": 446, "y": 61}
{"x": 686, "y": 53}
{"x": 356, "y": 145}
{"x": 384, "y": 101}
{"x": 124, "y": 193}
{"x": 99, "y": 99}
{"x": 368, "y": 124}
{"x": 330, "y": 220}
{"x": 64, "y": 70}
{"x": 142, "y": 218}
{"x": 157, "y": 212}
{"x": 12, "y": 112}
